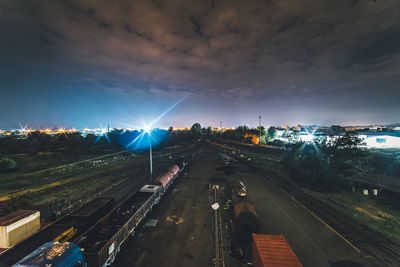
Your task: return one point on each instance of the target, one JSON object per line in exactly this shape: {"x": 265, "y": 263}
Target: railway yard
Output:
{"x": 181, "y": 230}
{"x": 188, "y": 216}
{"x": 57, "y": 190}
{"x": 170, "y": 133}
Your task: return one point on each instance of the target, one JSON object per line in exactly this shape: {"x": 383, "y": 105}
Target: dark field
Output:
{"x": 56, "y": 183}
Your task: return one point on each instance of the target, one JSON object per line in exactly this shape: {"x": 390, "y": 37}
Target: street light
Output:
{"x": 147, "y": 131}
{"x": 220, "y": 131}
{"x": 259, "y": 140}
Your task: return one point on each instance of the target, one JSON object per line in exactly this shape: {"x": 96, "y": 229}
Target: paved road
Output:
{"x": 313, "y": 242}
{"x": 190, "y": 243}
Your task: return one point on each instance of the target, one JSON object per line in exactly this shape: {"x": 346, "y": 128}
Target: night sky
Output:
{"x": 88, "y": 63}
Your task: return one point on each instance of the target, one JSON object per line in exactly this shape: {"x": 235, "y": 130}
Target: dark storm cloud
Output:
{"x": 342, "y": 52}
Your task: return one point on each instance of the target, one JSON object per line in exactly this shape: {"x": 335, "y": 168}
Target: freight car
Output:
{"x": 245, "y": 217}
{"x": 238, "y": 188}
{"x": 272, "y": 250}
{"x": 166, "y": 179}
{"x": 101, "y": 240}
{"x": 100, "y": 227}
{"x": 77, "y": 222}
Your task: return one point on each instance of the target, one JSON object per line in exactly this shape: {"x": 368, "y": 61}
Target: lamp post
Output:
{"x": 259, "y": 140}
{"x": 151, "y": 160}
{"x": 220, "y": 131}
{"x": 147, "y": 130}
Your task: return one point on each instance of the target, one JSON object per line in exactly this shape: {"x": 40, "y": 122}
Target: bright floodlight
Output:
{"x": 146, "y": 128}
{"x": 309, "y": 137}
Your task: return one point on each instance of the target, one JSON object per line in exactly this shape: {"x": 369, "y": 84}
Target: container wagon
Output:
{"x": 273, "y": 250}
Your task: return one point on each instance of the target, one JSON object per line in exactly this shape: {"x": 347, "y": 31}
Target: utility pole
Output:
{"x": 151, "y": 159}
{"x": 259, "y": 140}
{"x": 151, "y": 164}
{"x": 220, "y": 131}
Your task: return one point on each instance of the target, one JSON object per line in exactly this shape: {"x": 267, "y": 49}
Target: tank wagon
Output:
{"x": 98, "y": 233}
{"x": 166, "y": 179}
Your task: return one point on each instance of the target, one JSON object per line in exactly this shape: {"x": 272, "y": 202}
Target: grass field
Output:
{"x": 364, "y": 210}
{"x": 60, "y": 181}
{"x": 21, "y": 182}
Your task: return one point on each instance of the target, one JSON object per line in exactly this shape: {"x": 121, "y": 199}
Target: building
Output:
{"x": 379, "y": 139}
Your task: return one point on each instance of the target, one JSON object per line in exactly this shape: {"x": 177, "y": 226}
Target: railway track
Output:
{"x": 381, "y": 250}
{"x": 219, "y": 255}
{"x": 83, "y": 165}
{"x": 119, "y": 194}
{"x": 69, "y": 182}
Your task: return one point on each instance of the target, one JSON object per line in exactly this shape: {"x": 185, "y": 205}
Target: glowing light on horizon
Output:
{"x": 309, "y": 137}
{"x": 147, "y": 128}
{"x": 151, "y": 125}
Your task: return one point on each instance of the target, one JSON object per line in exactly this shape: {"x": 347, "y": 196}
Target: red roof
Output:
{"x": 273, "y": 250}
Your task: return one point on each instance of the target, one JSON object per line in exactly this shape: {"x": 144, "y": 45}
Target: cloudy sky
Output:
{"x": 88, "y": 63}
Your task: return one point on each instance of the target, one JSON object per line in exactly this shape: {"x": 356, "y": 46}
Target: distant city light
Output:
{"x": 308, "y": 137}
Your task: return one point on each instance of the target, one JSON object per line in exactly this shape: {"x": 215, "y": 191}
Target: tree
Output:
{"x": 331, "y": 165}
{"x": 242, "y": 129}
{"x": 272, "y": 133}
{"x": 209, "y": 131}
{"x": 7, "y": 165}
{"x": 293, "y": 136}
{"x": 345, "y": 155}
{"x": 263, "y": 131}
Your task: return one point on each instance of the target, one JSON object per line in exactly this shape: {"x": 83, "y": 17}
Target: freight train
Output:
{"x": 263, "y": 250}
{"x": 238, "y": 189}
{"x": 245, "y": 217}
{"x": 93, "y": 236}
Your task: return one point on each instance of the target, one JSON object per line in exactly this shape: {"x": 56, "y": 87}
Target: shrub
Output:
{"x": 7, "y": 165}
{"x": 17, "y": 202}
